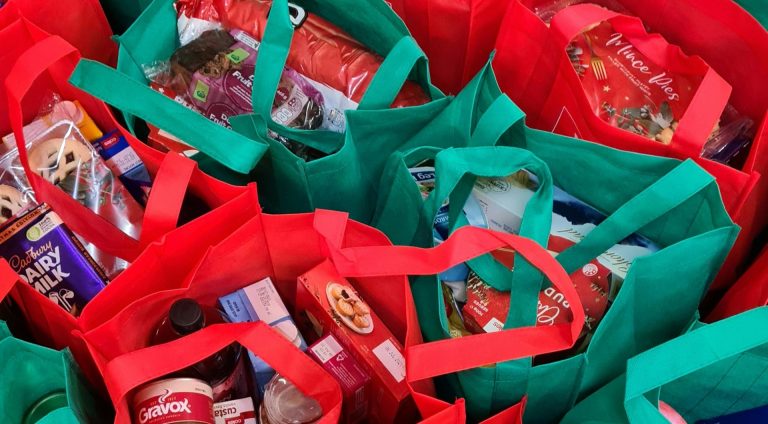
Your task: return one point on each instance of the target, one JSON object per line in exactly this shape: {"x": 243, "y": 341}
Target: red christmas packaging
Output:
{"x": 628, "y": 89}
{"x": 487, "y": 308}
{"x": 319, "y": 49}
{"x": 330, "y": 304}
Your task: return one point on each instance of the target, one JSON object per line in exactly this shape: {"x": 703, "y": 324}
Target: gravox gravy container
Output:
{"x": 174, "y": 401}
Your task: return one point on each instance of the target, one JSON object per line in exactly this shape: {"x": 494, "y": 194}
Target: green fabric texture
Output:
{"x": 122, "y": 13}
{"x": 675, "y": 204}
{"x": 30, "y": 372}
{"x": 227, "y": 154}
{"x": 757, "y": 8}
{"x": 713, "y": 370}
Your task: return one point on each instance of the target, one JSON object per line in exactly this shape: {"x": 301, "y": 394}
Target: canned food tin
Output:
{"x": 174, "y": 401}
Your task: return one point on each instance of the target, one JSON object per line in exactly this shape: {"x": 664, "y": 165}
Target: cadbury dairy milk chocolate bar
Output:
{"x": 48, "y": 256}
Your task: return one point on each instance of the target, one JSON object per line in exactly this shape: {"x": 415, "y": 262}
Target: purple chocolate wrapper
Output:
{"x": 45, "y": 253}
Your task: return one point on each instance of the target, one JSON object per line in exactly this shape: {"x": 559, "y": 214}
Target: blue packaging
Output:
{"x": 126, "y": 164}
{"x": 261, "y": 302}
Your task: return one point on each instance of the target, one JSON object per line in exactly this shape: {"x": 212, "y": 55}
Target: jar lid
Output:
{"x": 286, "y": 404}
{"x": 44, "y": 406}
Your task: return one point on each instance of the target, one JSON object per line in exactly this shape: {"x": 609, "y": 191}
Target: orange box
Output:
{"x": 327, "y": 302}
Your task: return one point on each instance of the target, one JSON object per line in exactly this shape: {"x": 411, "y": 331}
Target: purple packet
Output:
{"x": 48, "y": 256}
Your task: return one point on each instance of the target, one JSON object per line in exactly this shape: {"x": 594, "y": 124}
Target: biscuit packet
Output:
{"x": 64, "y": 157}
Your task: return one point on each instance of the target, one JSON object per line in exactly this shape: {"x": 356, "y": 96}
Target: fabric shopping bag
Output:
{"x": 43, "y": 385}
{"x": 748, "y": 292}
{"x": 81, "y": 22}
{"x": 589, "y": 172}
{"x": 457, "y": 36}
{"x": 122, "y": 13}
{"x": 535, "y": 71}
{"x": 128, "y": 372}
{"x": 270, "y": 243}
{"x": 757, "y": 9}
{"x": 228, "y": 149}
{"x": 712, "y": 371}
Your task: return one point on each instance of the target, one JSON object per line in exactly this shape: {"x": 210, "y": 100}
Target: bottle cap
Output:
{"x": 186, "y": 316}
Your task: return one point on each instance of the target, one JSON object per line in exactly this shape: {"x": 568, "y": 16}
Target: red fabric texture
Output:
{"x": 533, "y": 69}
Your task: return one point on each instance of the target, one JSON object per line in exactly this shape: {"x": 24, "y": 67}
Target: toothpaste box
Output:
{"x": 238, "y": 411}
{"x": 260, "y": 302}
{"x": 126, "y": 164}
{"x": 330, "y": 304}
{"x": 337, "y": 361}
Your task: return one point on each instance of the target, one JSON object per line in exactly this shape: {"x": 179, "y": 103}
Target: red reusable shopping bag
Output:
{"x": 80, "y": 22}
{"x": 429, "y": 360}
{"x": 534, "y": 69}
{"x": 44, "y": 64}
{"x": 456, "y": 35}
{"x": 748, "y": 292}
{"x": 127, "y": 372}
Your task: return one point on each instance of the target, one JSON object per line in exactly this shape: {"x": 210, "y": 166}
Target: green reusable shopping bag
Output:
{"x": 757, "y": 8}
{"x": 153, "y": 37}
{"x": 122, "y": 13}
{"x": 713, "y": 370}
{"x": 675, "y": 204}
{"x": 29, "y": 372}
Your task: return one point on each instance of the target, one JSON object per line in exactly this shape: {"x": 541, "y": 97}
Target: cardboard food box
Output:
{"x": 260, "y": 302}
{"x": 330, "y": 304}
{"x": 337, "y": 361}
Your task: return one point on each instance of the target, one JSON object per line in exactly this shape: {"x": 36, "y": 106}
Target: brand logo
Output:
{"x": 164, "y": 408}
{"x": 201, "y": 91}
{"x": 626, "y": 49}
{"x": 223, "y": 412}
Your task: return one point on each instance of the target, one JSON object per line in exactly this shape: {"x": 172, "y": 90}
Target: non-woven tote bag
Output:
{"x": 126, "y": 373}
{"x": 757, "y": 9}
{"x": 713, "y": 370}
{"x": 720, "y": 32}
{"x": 748, "y": 292}
{"x": 576, "y": 166}
{"x": 66, "y": 19}
{"x": 122, "y": 13}
{"x": 378, "y": 28}
{"x": 30, "y": 373}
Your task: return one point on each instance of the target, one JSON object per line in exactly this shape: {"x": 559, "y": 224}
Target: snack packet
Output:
{"x": 64, "y": 157}
{"x": 45, "y": 254}
{"x": 320, "y": 51}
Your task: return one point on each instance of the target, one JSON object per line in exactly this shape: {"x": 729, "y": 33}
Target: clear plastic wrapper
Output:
{"x": 63, "y": 156}
{"x": 731, "y": 136}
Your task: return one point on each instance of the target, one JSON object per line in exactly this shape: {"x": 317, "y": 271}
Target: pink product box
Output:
{"x": 332, "y": 356}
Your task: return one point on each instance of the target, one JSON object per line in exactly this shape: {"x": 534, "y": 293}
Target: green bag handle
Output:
{"x": 270, "y": 62}
{"x": 686, "y": 354}
{"x": 235, "y": 151}
{"x": 670, "y": 191}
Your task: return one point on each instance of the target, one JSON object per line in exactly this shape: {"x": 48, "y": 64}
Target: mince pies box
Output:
{"x": 329, "y": 304}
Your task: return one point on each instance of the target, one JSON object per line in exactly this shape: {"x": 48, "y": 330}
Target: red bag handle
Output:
{"x": 706, "y": 106}
{"x": 8, "y": 279}
{"x": 438, "y": 358}
{"x": 131, "y": 370}
{"x": 170, "y": 184}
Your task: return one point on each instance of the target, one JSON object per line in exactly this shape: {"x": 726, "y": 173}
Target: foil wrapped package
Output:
{"x": 45, "y": 254}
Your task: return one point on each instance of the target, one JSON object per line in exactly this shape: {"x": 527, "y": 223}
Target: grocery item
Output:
{"x": 123, "y": 161}
{"x": 631, "y": 91}
{"x": 64, "y": 157}
{"x": 330, "y": 304}
{"x": 45, "y": 254}
{"x": 225, "y": 370}
{"x": 319, "y": 51}
{"x": 503, "y": 201}
{"x": 58, "y": 110}
{"x": 336, "y": 361}
{"x": 261, "y": 302}
{"x": 238, "y": 411}
{"x": 285, "y": 404}
{"x": 174, "y": 400}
